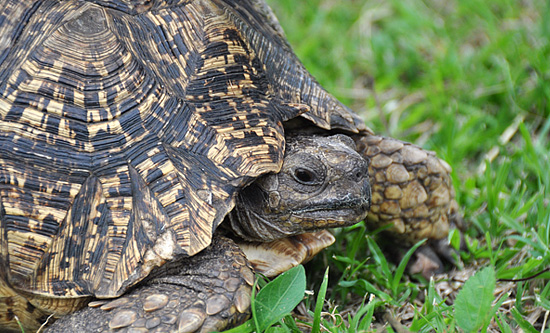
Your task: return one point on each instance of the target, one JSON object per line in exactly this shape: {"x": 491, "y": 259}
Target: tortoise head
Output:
{"x": 323, "y": 183}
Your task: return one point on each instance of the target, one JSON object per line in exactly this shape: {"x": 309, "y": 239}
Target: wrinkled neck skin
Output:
{"x": 323, "y": 183}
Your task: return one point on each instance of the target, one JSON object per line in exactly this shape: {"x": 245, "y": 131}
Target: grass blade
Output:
{"x": 319, "y": 304}
{"x": 402, "y": 265}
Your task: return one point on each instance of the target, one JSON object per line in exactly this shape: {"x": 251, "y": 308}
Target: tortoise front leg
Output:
{"x": 207, "y": 292}
{"x": 411, "y": 190}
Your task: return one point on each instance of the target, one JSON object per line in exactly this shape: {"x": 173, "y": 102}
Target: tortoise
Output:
{"x": 155, "y": 153}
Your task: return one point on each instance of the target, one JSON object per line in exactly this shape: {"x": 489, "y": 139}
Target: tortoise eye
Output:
{"x": 304, "y": 176}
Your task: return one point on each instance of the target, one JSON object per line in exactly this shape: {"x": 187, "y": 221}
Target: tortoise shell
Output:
{"x": 128, "y": 127}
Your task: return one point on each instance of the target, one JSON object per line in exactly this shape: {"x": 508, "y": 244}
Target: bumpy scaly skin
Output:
{"x": 411, "y": 189}
{"x": 413, "y": 193}
{"x": 205, "y": 293}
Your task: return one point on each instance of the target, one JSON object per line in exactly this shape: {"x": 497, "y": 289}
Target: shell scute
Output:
{"x": 115, "y": 122}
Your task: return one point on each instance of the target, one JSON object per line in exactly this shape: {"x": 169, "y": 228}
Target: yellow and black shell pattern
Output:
{"x": 128, "y": 127}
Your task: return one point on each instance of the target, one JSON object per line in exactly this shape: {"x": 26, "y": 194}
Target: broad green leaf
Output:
{"x": 279, "y": 297}
{"x": 473, "y": 302}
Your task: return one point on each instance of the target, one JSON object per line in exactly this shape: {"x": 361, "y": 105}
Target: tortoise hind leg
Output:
{"x": 207, "y": 292}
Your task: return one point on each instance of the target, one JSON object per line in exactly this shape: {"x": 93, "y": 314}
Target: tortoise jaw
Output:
{"x": 253, "y": 226}
{"x": 321, "y": 218}
{"x": 334, "y": 212}
{"x": 358, "y": 205}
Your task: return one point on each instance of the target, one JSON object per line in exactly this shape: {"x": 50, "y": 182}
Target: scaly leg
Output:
{"x": 207, "y": 292}
{"x": 412, "y": 191}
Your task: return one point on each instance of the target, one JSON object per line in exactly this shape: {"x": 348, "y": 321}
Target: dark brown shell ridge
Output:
{"x": 289, "y": 79}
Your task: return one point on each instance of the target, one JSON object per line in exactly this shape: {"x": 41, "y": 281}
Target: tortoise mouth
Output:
{"x": 331, "y": 214}
{"x": 352, "y": 206}
{"x": 256, "y": 221}
{"x": 358, "y": 205}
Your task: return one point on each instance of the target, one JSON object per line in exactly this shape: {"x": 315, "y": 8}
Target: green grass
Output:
{"x": 469, "y": 79}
